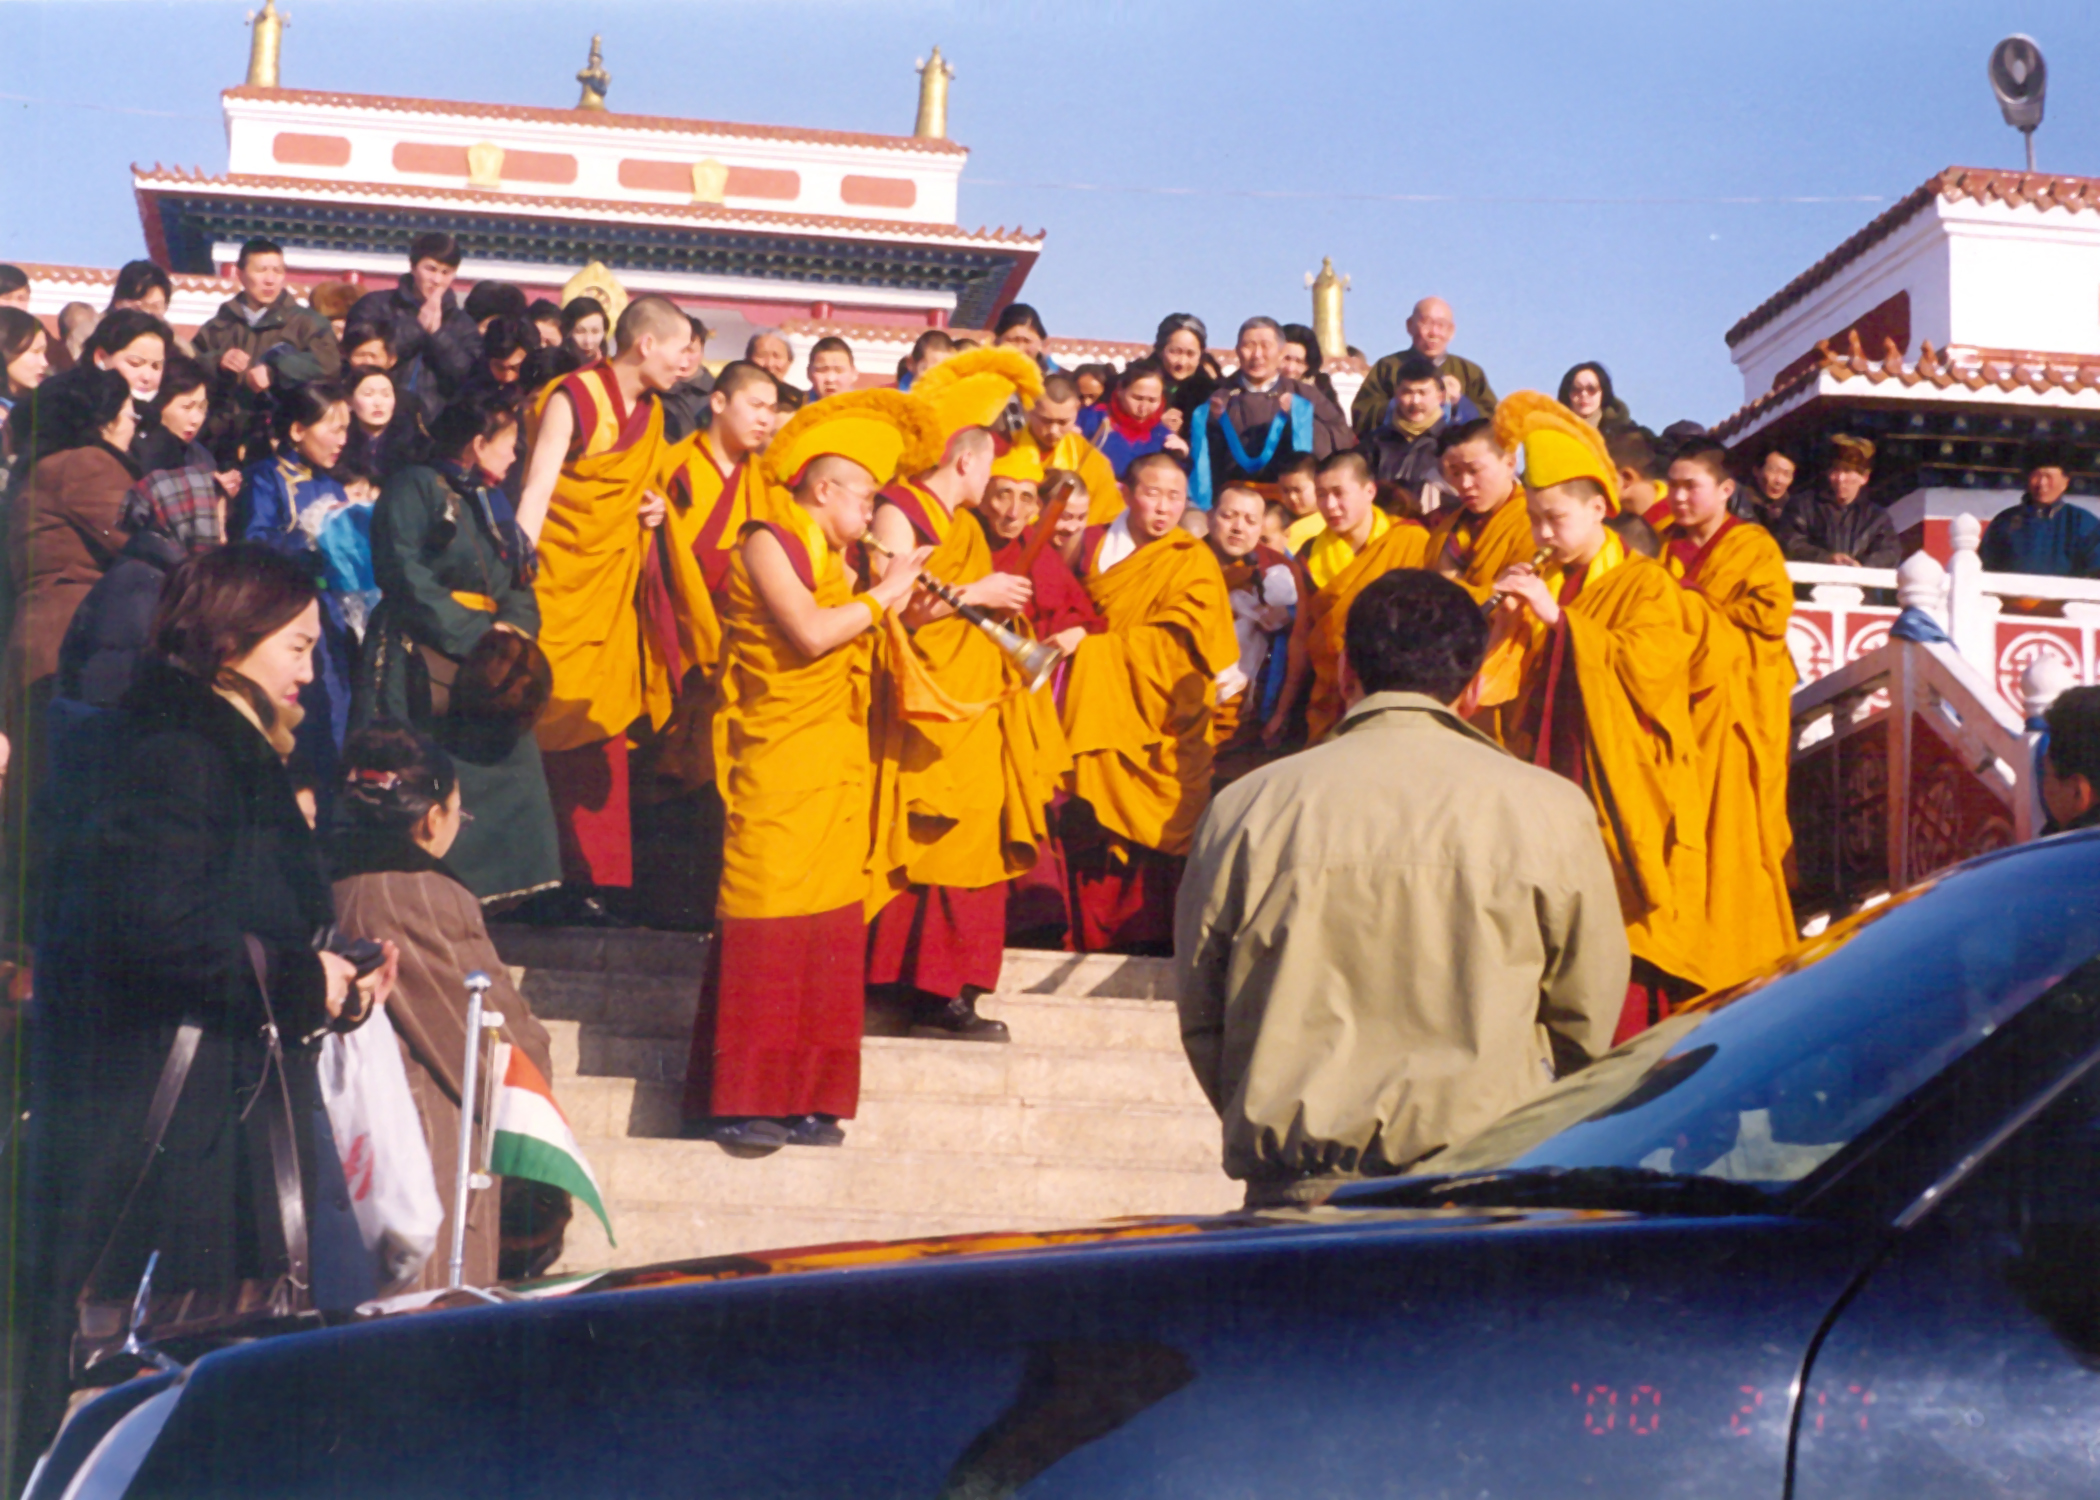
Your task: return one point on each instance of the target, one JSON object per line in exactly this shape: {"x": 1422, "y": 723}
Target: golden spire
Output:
{"x": 264, "y": 48}
{"x": 1327, "y": 289}
{"x": 934, "y": 75}
{"x": 594, "y": 78}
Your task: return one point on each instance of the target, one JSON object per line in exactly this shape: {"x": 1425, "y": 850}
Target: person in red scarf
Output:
{"x": 1131, "y": 422}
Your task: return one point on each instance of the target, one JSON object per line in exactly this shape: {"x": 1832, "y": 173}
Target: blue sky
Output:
{"x": 1197, "y": 157}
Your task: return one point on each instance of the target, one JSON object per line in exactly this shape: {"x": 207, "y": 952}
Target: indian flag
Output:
{"x": 532, "y": 1138}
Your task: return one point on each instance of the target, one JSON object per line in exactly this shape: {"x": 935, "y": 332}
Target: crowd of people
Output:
{"x": 497, "y": 610}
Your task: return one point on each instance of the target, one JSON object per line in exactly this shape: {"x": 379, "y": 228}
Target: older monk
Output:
{"x": 1137, "y": 712}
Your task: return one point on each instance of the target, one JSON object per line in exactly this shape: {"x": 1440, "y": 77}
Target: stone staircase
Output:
{"x": 1090, "y": 1113}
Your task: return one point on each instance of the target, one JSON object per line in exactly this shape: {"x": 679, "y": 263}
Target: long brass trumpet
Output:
{"x": 1036, "y": 660}
{"x": 1538, "y": 560}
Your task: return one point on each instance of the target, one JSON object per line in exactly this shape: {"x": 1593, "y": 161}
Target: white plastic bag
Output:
{"x": 386, "y": 1161}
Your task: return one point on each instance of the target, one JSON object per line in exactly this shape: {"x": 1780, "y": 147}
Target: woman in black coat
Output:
{"x": 185, "y": 843}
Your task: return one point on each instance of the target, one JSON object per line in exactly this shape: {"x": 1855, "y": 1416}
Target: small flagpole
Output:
{"x": 463, "y": 1179}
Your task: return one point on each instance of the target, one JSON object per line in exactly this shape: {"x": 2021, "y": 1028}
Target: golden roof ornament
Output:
{"x": 264, "y": 47}
{"x": 934, "y": 77}
{"x": 594, "y": 78}
{"x": 1327, "y": 289}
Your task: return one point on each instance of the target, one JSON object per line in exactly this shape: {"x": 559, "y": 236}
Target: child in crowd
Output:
{"x": 1263, "y": 591}
{"x": 1276, "y": 527}
{"x": 1295, "y": 488}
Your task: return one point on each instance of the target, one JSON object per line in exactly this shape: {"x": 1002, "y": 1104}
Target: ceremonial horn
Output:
{"x": 1538, "y": 560}
{"x": 1035, "y": 660}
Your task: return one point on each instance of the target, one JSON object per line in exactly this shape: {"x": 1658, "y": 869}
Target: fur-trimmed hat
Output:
{"x": 886, "y": 432}
{"x": 1849, "y": 452}
{"x": 973, "y": 388}
{"x": 1558, "y": 445}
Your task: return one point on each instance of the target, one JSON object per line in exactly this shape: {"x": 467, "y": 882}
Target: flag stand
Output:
{"x": 481, "y": 1022}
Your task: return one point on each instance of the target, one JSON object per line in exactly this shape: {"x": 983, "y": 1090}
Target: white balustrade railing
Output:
{"x": 2050, "y": 640}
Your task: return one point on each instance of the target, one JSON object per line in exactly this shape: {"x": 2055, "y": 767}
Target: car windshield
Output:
{"x": 1765, "y": 1083}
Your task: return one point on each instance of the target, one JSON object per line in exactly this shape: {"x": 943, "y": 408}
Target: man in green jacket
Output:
{"x": 260, "y": 340}
{"x": 1388, "y": 941}
{"x": 1430, "y": 326}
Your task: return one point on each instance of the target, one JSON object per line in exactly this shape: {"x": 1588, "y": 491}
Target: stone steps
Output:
{"x": 1090, "y": 1113}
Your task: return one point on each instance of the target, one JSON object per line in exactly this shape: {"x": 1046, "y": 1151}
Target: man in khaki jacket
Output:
{"x": 1387, "y": 942}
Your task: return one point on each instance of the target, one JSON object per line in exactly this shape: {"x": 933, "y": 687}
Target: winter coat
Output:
{"x": 440, "y": 551}
{"x": 1249, "y": 414}
{"x": 1383, "y": 943}
{"x": 1397, "y": 459}
{"x": 114, "y": 625}
{"x": 1814, "y": 528}
{"x": 432, "y": 367}
{"x": 388, "y": 889}
{"x": 183, "y": 835}
{"x": 295, "y": 342}
{"x": 63, "y": 534}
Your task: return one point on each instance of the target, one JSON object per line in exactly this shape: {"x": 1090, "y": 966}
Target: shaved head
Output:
{"x": 835, "y": 468}
{"x": 655, "y": 317}
{"x": 1431, "y": 326}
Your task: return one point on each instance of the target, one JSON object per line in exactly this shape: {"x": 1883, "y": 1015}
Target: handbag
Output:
{"x": 246, "y": 1308}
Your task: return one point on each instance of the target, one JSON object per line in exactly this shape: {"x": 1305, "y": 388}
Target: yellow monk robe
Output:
{"x": 1393, "y": 544}
{"x": 1624, "y": 676}
{"x": 1473, "y": 550}
{"x": 1073, "y": 451}
{"x": 1138, "y": 704}
{"x": 966, "y": 757}
{"x": 1737, "y": 600}
{"x": 707, "y": 512}
{"x": 791, "y": 735}
{"x": 608, "y": 672}
{"x": 791, "y": 738}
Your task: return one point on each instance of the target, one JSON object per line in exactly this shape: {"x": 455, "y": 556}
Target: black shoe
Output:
{"x": 754, "y": 1135}
{"x": 958, "y": 1021}
{"x": 567, "y": 907}
{"x": 815, "y": 1130}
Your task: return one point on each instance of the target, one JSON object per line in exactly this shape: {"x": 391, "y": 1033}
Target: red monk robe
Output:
{"x": 967, "y": 759}
{"x": 1737, "y": 600}
{"x": 1137, "y": 716}
{"x": 609, "y": 670}
{"x": 797, "y": 782}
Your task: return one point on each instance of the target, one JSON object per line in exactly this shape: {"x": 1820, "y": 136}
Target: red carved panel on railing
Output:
{"x": 1837, "y": 800}
{"x": 2026, "y": 640}
{"x": 1952, "y": 815}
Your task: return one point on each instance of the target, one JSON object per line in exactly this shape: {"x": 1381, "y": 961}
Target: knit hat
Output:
{"x": 1558, "y": 445}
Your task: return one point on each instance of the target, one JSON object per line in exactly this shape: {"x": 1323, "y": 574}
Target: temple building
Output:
{"x": 1955, "y": 330}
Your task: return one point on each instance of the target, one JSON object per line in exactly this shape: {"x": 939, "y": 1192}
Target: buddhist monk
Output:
{"x": 1053, "y": 429}
{"x": 1361, "y": 543}
{"x": 1059, "y": 610}
{"x": 1137, "y": 713}
{"x": 967, "y": 756}
{"x": 778, "y": 1063}
{"x": 1489, "y": 529}
{"x": 711, "y": 487}
{"x": 1738, "y": 600}
{"x": 1602, "y": 694}
{"x": 588, "y": 504}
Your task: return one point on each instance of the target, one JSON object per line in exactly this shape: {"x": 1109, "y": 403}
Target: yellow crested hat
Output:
{"x": 1022, "y": 461}
{"x": 886, "y": 432}
{"x": 1558, "y": 445}
{"x": 970, "y": 389}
